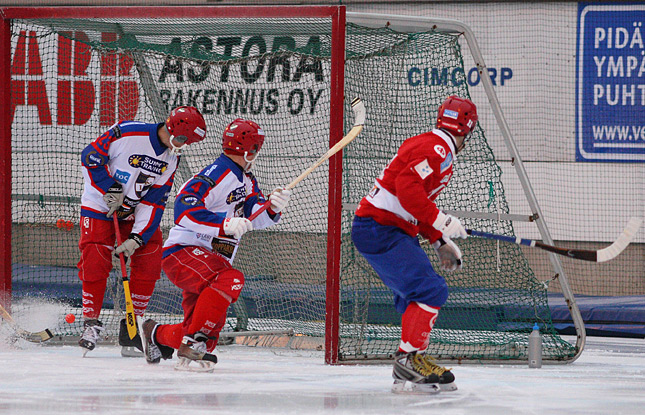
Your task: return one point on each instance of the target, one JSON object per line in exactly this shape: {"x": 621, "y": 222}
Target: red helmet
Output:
{"x": 242, "y": 136}
{"x": 186, "y": 124}
{"x": 457, "y": 115}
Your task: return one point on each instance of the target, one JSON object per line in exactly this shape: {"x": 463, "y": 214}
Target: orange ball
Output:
{"x": 70, "y": 318}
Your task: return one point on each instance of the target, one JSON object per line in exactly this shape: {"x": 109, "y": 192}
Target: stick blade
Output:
{"x": 38, "y": 337}
{"x": 358, "y": 107}
{"x": 625, "y": 238}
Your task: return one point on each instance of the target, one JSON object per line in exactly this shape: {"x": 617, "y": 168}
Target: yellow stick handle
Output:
{"x": 130, "y": 319}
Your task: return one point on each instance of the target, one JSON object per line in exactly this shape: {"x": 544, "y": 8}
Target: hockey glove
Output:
{"x": 113, "y": 198}
{"x": 128, "y": 246}
{"x": 237, "y": 227}
{"x": 127, "y": 208}
{"x": 279, "y": 199}
{"x": 449, "y": 254}
{"x": 449, "y": 226}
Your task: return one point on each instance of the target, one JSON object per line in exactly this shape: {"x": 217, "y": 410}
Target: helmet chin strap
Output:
{"x": 463, "y": 141}
{"x": 173, "y": 148}
{"x": 454, "y": 142}
{"x": 249, "y": 163}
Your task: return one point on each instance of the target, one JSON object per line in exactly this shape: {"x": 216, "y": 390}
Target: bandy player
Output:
{"x": 128, "y": 171}
{"x": 211, "y": 212}
{"x": 398, "y": 208}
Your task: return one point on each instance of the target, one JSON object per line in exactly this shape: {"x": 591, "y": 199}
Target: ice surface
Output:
{"x": 609, "y": 378}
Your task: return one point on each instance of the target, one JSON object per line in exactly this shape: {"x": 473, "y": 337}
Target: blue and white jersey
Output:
{"x": 221, "y": 190}
{"x": 130, "y": 153}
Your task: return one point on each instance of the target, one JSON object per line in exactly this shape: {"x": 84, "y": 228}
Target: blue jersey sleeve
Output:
{"x": 257, "y": 198}
{"x": 191, "y": 211}
{"x": 95, "y": 158}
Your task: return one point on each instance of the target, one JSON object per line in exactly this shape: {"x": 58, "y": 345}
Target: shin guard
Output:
{"x": 416, "y": 325}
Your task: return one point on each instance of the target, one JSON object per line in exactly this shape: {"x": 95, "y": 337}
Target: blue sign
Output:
{"x": 610, "y": 88}
{"x": 121, "y": 176}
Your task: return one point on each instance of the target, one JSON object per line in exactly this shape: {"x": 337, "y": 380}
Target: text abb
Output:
{"x": 76, "y": 93}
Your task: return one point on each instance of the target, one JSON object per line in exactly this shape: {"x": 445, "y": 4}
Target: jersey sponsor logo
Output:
{"x": 223, "y": 247}
{"x": 446, "y": 178}
{"x": 144, "y": 182}
{"x": 94, "y": 158}
{"x": 189, "y": 200}
{"x": 440, "y": 150}
{"x": 198, "y": 251}
{"x": 423, "y": 169}
{"x": 451, "y": 114}
{"x": 116, "y": 131}
{"x": 203, "y": 236}
{"x": 210, "y": 170}
{"x": 145, "y": 162}
{"x": 121, "y": 176}
{"x": 235, "y": 195}
{"x": 207, "y": 179}
{"x": 445, "y": 165}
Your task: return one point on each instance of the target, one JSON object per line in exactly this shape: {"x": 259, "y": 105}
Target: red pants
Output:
{"x": 97, "y": 246}
{"x": 210, "y": 284}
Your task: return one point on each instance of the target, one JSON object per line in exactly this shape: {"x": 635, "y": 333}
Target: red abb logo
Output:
{"x": 75, "y": 91}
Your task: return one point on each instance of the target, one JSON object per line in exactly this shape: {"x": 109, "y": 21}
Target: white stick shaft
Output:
{"x": 353, "y": 133}
{"x": 358, "y": 108}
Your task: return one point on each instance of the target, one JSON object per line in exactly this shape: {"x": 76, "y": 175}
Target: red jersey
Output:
{"x": 404, "y": 193}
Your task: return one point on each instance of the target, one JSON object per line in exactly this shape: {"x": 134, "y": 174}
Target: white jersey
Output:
{"x": 131, "y": 154}
{"x": 221, "y": 190}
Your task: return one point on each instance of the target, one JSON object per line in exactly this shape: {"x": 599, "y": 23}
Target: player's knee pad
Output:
{"x": 95, "y": 263}
{"x": 229, "y": 282}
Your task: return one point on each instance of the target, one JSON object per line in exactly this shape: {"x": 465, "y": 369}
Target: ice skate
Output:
{"x": 129, "y": 347}
{"x": 92, "y": 330}
{"x": 421, "y": 373}
{"x": 193, "y": 349}
{"x": 154, "y": 351}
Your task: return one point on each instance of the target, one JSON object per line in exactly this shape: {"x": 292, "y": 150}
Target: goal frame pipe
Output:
{"x": 5, "y": 164}
{"x": 338, "y": 22}
{"x": 411, "y": 24}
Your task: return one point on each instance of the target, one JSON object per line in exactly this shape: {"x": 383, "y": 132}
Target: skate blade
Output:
{"x": 409, "y": 388}
{"x": 130, "y": 351}
{"x": 85, "y": 352}
{"x": 201, "y": 366}
{"x": 448, "y": 387}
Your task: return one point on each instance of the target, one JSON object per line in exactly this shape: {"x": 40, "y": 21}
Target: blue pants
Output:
{"x": 400, "y": 262}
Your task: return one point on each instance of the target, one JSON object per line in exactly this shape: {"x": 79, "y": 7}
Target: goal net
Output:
{"x": 72, "y": 78}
